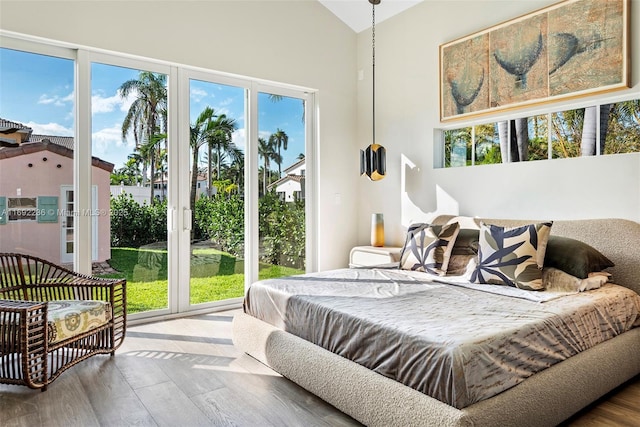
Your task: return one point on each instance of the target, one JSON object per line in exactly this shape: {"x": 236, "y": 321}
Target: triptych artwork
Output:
{"x": 570, "y": 49}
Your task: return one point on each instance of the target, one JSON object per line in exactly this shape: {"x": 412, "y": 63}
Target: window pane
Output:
{"x": 538, "y": 138}
{"x": 36, "y": 110}
{"x": 487, "y": 144}
{"x": 282, "y": 162}
{"x": 457, "y": 147}
{"x": 623, "y": 128}
{"x": 129, "y": 147}
{"x": 566, "y": 133}
{"x": 216, "y": 152}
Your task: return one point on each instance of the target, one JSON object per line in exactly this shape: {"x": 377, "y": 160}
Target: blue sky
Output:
{"x": 37, "y": 90}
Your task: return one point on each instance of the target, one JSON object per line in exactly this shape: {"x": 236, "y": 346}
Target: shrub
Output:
{"x": 219, "y": 219}
{"x": 135, "y": 225}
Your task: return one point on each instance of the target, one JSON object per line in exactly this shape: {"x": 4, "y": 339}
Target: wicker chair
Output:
{"x": 32, "y": 353}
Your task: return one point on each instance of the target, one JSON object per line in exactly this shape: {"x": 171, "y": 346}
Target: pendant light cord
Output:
{"x": 373, "y": 65}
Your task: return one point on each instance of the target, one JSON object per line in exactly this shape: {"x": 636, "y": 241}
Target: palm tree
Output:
{"x": 147, "y": 115}
{"x": 235, "y": 171}
{"x": 280, "y": 140}
{"x": 266, "y": 150}
{"x": 220, "y": 137}
{"x": 199, "y": 134}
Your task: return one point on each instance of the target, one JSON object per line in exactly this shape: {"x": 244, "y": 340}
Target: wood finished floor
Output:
{"x": 186, "y": 372}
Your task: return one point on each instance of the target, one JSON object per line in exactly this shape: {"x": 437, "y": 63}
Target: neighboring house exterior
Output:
{"x": 291, "y": 186}
{"x": 36, "y": 196}
{"x": 139, "y": 193}
{"x": 160, "y": 187}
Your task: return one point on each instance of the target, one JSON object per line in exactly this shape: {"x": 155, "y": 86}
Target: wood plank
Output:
{"x": 169, "y": 406}
{"x": 106, "y": 387}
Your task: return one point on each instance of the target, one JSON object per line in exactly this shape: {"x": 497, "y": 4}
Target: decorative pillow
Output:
{"x": 428, "y": 247}
{"x": 458, "y": 264}
{"x": 574, "y": 257}
{"x": 512, "y": 256}
{"x": 554, "y": 279}
{"x": 466, "y": 242}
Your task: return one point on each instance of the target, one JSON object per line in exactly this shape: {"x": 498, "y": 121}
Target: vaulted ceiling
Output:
{"x": 357, "y": 13}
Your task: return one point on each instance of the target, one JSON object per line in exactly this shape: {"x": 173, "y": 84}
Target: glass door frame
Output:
{"x": 311, "y": 179}
{"x": 85, "y": 58}
{"x": 178, "y": 217}
{"x": 181, "y": 206}
{"x": 181, "y": 211}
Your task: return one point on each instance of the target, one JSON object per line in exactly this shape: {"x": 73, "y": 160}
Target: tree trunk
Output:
{"x": 508, "y": 134}
{"x": 605, "y": 111}
{"x": 588, "y": 142}
{"x": 264, "y": 179}
{"x": 194, "y": 186}
{"x": 209, "y": 180}
{"x": 152, "y": 165}
{"x": 589, "y": 129}
{"x": 522, "y": 138}
{"x": 503, "y": 135}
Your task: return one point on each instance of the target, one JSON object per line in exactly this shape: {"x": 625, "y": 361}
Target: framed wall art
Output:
{"x": 570, "y": 49}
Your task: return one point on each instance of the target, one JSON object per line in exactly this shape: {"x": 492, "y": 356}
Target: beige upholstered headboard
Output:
{"x": 618, "y": 239}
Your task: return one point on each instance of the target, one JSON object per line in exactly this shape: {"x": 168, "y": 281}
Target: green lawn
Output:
{"x": 215, "y": 275}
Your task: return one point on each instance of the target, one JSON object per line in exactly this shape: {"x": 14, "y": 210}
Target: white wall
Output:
{"x": 407, "y": 107}
{"x": 297, "y": 42}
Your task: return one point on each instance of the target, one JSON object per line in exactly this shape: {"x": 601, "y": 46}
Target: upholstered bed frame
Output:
{"x": 544, "y": 399}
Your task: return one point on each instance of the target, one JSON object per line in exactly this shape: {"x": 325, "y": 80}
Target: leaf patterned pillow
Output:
{"x": 512, "y": 256}
{"x": 428, "y": 247}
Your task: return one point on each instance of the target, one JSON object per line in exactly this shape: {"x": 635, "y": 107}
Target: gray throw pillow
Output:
{"x": 574, "y": 257}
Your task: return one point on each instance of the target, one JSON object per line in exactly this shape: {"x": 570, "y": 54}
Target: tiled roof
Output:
{"x": 296, "y": 178}
{"x": 62, "y": 145}
{"x": 295, "y": 165}
{"x": 65, "y": 141}
{"x": 34, "y": 147}
{"x": 8, "y": 124}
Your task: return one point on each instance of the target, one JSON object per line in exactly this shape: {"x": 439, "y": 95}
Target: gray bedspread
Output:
{"x": 457, "y": 344}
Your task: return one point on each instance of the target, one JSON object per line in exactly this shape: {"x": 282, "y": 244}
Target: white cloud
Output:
{"x": 104, "y": 105}
{"x": 53, "y": 129}
{"x": 46, "y": 100}
{"x": 110, "y": 138}
{"x": 70, "y": 97}
{"x": 56, "y": 100}
{"x": 108, "y": 145}
{"x": 239, "y": 137}
{"x": 130, "y": 99}
{"x": 226, "y": 102}
{"x": 108, "y": 104}
{"x": 264, "y": 134}
{"x": 198, "y": 95}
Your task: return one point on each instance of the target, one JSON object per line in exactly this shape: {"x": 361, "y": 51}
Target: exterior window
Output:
{"x": 457, "y": 147}
{"x": 589, "y": 131}
{"x": 22, "y": 208}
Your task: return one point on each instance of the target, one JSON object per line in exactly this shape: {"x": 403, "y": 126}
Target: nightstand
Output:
{"x": 362, "y": 256}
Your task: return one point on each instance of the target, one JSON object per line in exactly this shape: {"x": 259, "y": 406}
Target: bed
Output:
{"x": 366, "y": 391}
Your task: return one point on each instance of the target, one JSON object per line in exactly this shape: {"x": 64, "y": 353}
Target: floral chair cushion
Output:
{"x": 69, "y": 318}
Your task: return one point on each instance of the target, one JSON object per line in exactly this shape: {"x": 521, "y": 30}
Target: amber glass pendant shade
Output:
{"x": 377, "y": 230}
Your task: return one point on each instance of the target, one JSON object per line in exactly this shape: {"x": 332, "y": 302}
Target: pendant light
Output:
{"x": 373, "y": 159}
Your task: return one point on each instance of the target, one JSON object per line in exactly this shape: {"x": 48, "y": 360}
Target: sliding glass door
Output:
{"x": 191, "y": 184}
{"x": 281, "y": 184}
{"x": 214, "y": 256}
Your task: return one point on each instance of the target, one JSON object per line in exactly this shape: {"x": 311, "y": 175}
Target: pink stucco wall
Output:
{"x": 45, "y": 178}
